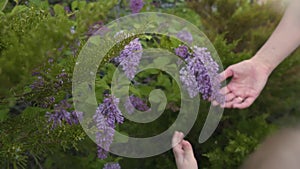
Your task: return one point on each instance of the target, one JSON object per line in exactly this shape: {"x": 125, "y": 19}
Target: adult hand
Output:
{"x": 248, "y": 80}
{"x": 183, "y": 152}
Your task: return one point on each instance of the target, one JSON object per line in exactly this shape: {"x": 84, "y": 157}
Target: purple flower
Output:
{"x": 101, "y": 153}
{"x": 182, "y": 51}
{"x": 48, "y": 101}
{"x": 76, "y": 117}
{"x": 61, "y": 114}
{"x": 188, "y": 79}
{"x": 67, "y": 9}
{"x": 35, "y": 72}
{"x": 39, "y": 83}
{"x": 136, "y": 5}
{"x": 61, "y": 78}
{"x": 112, "y": 166}
{"x": 50, "y": 60}
{"x": 104, "y": 138}
{"x": 200, "y": 75}
{"x": 185, "y": 36}
{"x": 130, "y": 58}
{"x": 107, "y": 114}
{"x": 133, "y": 102}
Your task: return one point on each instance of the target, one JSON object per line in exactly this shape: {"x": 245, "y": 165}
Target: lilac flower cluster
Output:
{"x": 61, "y": 78}
{"x": 130, "y": 58}
{"x": 112, "y": 166}
{"x": 136, "y": 5}
{"x": 133, "y": 102}
{"x": 182, "y": 51}
{"x": 61, "y": 114}
{"x": 107, "y": 114}
{"x": 39, "y": 83}
{"x": 48, "y": 101}
{"x": 185, "y": 36}
{"x": 200, "y": 75}
{"x": 67, "y": 9}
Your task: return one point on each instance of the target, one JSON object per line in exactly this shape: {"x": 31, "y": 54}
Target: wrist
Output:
{"x": 263, "y": 64}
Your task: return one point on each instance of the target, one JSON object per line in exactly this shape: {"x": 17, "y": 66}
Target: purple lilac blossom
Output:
{"x": 188, "y": 79}
{"x": 61, "y": 78}
{"x": 35, "y": 72}
{"x": 133, "y": 103}
{"x": 107, "y": 114}
{"x": 130, "y": 58}
{"x": 182, "y": 51}
{"x": 185, "y": 36}
{"x": 67, "y": 9}
{"x": 212, "y": 69}
{"x": 48, "y": 101}
{"x": 112, "y": 166}
{"x": 136, "y": 5}
{"x": 38, "y": 83}
{"x": 61, "y": 114}
{"x": 200, "y": 75}
{"x": 50, "y": 60}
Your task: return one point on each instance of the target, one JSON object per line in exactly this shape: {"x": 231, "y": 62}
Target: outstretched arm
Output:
{"x": 284, "y": 40}
{"x": 249, "y": 77}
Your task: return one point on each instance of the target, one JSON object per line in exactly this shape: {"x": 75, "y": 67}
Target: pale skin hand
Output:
{"x": 248, "y": 80}
{"x": 249, "y": 77}
{"x": 183, "y": 152}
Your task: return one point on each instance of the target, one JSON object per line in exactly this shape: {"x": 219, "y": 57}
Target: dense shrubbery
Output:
{"x": 39, "y": 44}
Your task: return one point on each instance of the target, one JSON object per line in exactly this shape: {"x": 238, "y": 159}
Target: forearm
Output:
{"x": 284, "y": 40}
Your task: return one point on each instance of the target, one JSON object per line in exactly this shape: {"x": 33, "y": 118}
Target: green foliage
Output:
{"x": 33, "y": 33}
{"x": 29, "y": 38}
{"x": 239, "y": 19}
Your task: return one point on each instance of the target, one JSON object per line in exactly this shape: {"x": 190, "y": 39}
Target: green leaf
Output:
{"x": 3, "y": 112}
{"x": 3, "y": 4}
{"x": 18, "y": 9}
{"x": 32, "y": 112}
{"x": 16, "y": 1}
{"x": 163, "y": 80}
{"x": 78, "y": 5}
{"x": 39, "y": 4}
{"x": 59, "y": 10}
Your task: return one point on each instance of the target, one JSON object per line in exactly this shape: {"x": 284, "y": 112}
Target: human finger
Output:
{"x": 188, "y": 149}
{"x": 225, "y": 74}
{"x": 246, "y": 103}
{"x": 230, "y": 104}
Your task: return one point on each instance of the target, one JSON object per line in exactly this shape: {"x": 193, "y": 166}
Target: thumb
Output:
{"x": 188, "y": 149}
